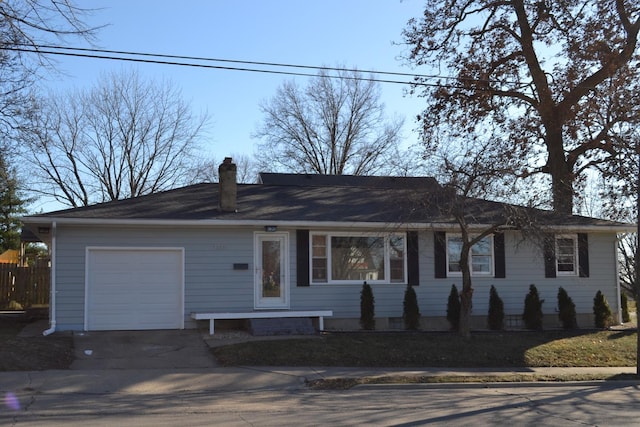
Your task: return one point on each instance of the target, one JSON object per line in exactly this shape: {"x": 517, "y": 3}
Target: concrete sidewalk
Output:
{"x": 237, "y": 379}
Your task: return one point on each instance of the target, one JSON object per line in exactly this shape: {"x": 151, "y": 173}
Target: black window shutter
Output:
{"x": 440, "y": 254}
{"x": 583, "y": 254}
{"x": 549, "y": 253}
{"x": 498, "y": 252}
{"x": 413, "y": 259}
{"x": 302, "y": 257}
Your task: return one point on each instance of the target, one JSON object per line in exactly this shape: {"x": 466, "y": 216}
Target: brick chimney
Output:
{"x": 228, "y": 188}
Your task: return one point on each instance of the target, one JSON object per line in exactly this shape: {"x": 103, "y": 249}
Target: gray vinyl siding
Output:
{"x": 211, "y": 283}
{"x": 525, "y": 266}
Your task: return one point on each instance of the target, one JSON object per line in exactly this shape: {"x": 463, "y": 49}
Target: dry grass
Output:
{"x": 580, "y": 348}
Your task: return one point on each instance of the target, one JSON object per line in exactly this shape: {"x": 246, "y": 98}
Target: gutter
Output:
{"x": 224, "y": 223}
{"x": 52, "y": 297}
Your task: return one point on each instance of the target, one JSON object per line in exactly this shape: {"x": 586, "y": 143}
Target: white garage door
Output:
{"x": 132, "y": 289}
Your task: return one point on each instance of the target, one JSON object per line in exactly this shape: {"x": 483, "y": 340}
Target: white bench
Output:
{"x": 211, "y": 317}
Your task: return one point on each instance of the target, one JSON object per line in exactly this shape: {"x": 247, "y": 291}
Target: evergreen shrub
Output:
{"x": 367, "y": 308}
{"x": 410, "y": 310}
{"x": 453, "y": 309}
{"x": 566, "y": 310}
{"x": 532, "y": 315}
{"x": 601, "y": 311}
{"x": 495, "y": 318}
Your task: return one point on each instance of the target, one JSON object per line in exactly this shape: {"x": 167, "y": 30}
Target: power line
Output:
{"x": 237, "y": 61}
{"x": 141, "y": 57}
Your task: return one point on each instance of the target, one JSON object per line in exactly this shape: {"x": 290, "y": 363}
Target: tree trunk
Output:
{"x": 561, "y": 172}
{"x": 466, "y": 295}
{"x": 466, "y": 304}
{"x": 637, "y": 266}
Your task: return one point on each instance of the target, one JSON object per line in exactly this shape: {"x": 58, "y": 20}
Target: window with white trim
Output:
{"x": 480, "y": 258}
{"x": 566, "y": 255}
{"x": 357, "y": 257}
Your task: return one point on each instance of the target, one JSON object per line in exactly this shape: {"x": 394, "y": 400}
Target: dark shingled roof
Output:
{"x": 313, "y": 198}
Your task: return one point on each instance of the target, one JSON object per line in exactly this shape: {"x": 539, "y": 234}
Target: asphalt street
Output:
{"x": 586, "y": 404}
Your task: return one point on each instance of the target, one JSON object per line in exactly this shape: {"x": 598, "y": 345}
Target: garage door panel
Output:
{"x": 134, "y": 289}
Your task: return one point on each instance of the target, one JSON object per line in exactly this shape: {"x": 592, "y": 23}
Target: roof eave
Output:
{"x": 618, "y": 228}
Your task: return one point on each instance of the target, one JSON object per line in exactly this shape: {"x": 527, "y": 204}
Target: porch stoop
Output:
{"x": 282, "y": 326}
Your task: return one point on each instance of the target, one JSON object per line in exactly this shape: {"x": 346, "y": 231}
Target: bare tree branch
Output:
{"x": 123, "y": 138}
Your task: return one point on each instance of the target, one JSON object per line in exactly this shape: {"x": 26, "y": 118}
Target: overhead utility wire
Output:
{"x": 217, "y": 67}
{"x": 237, "y": 61}
{"x": 91, "y": 53}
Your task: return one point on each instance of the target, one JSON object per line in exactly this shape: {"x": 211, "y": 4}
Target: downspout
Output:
{"x": 619, "y": 293}
{"x": 52, "y": 297}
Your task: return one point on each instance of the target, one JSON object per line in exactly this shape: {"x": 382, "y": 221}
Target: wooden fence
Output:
{"x": 23, "y": 287}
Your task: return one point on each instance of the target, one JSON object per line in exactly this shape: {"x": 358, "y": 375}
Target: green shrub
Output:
{"x": 410, "y": 310}
{"x": 495, "y": 318}
{"x": 367, "y": 311}
{"x": 566, "y": 310}
{"x": 601, "y": 311}
{"x": 532, "y": 315}
{"x": 453, "y": 309}
{"x": 624, "y": 302}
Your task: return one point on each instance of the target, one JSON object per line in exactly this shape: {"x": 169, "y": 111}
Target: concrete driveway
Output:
{"x": 164, "y": 349}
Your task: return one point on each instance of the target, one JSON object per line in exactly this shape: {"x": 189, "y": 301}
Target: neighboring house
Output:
{"x": 307, "y": 242}
{"x": 10, "y": 256}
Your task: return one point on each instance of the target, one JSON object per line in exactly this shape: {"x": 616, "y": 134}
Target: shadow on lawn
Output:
{"x": 440, "y": 349}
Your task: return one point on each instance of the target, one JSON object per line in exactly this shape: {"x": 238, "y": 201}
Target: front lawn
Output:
{"x": 582, "y": 348}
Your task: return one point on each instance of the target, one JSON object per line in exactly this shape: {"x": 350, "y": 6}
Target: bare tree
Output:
{"x": 559, "y": 80}
{"x": 627, "y": 248}
{"x": 468, "y": 172}
{"x": 336, "y": 125}
{"x": 24, "y": 26}
{"x": 124, "y": 137}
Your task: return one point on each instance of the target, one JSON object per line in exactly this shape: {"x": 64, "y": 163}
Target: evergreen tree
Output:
{"x": 453, "y": 309}
{"x": 11, "y": 207}
{"x": 601, "y": 311}
{"x": 496, "y": 310}
{"x": 532, "y": 315}
{"x": 410, "y": 310}
{"x": 367, "y": 311}
{"x": 566, "y": 310}
{"x": 624, "y": 302}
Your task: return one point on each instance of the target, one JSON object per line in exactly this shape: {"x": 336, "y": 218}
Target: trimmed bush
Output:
{"x": 367, "y": 311}
{"x": 495, "y": 318}
{"x": 624, "y": 302}
{"x": 566, "y": 310}
{"x": 453, "y": 309}
{"x": 532, "y": 315}
{"x": 410, "y": 310}
{"x": 601, "y": 311}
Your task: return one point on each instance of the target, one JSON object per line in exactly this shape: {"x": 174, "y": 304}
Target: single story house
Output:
{"x": 304, "y": 244}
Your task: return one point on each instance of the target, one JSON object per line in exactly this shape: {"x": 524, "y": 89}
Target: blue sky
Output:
{"x": 353, "y": 33}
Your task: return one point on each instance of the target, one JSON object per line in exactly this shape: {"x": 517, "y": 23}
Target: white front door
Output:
{"x": 272, "y": 270}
